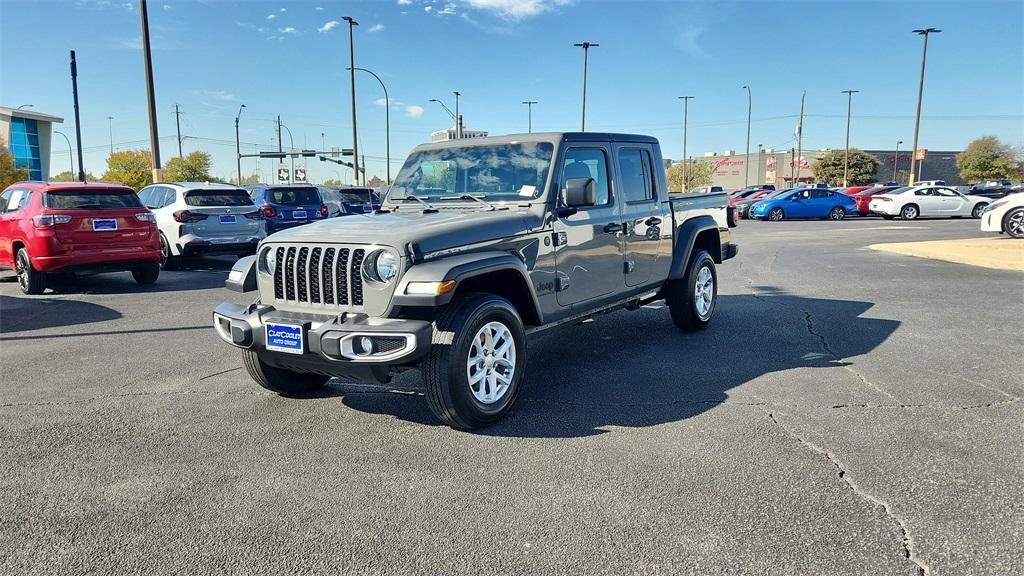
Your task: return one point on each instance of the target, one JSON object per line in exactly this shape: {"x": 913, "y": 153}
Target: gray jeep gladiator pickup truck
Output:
{"x": 478, "y": 244}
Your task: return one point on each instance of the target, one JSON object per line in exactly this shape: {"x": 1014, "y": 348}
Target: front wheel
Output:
{"x": 284, "y": 382}
{"x": 978, "y": 209}
{"x": 837, "y": 213}
{"x": 1013, "y": 223}
{"x": 776, "y": 214}
{"x": 30, "y": 280}
{"x": 476, "y": 362}
{"x": 691, "y": 300}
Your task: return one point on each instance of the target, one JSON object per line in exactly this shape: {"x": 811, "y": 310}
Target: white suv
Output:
{"x": 201, "y": 217}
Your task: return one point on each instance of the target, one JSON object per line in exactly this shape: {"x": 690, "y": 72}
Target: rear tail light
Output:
{"x": 323, "y": 210}
{"x": 146, "y": 217}
{"x": 185, "y": 216}
{"x": 50, "y": 220}
{"x": 254, "y": 215}
{"x": 883, "y": 199}
{"x": 269, "y": 212}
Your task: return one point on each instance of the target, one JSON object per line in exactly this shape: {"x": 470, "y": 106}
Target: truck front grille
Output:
{"x": 319, "y": 276}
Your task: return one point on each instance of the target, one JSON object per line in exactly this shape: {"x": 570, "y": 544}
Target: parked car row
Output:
{"x": 74, "y": 227}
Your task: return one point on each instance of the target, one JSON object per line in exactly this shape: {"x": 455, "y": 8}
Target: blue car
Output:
{"x": 804, "y": 203}
{"x": 288, "y": 205}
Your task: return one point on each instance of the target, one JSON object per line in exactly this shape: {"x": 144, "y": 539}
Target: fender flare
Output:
{"x": 459, "y": 268}
{"x": 242, "y": 277}
{"x": 685, "y": 237}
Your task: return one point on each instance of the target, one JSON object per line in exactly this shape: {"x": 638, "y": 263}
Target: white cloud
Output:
{"x": 215, "y": 95}
{"x": 167, "y": 7}
{"x": 448, "y": 10}
{"x": 271, "y": 16}
{"x": 283, "y": 10}
{"x": 376, "y": 28}
{"x": 428, "y": 8}
{"x": 404, "y": 2}
{"x": 517, "y": 9}
{"x": 414, "y": 111}
{"x": 287, "y": 30}
{"x": 328, "y": 26}
{"x": 319, "y": 8}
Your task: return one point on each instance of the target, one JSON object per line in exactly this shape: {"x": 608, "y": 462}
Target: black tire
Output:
{"x": 279, "y": 380}
{"x": 681, "y": 295}
{"x": 449, "y": 393}
{"x": 910, "y": 212}
{"x": 168, "y": 261}
{"x": 775, "y": 215}
{"x": 978, "y": 209}
{"x": 837, "y": 213}
{"x": 1013, "y": 223}
{"x": 30, "y": 280}
{"x": 147, "y": 274}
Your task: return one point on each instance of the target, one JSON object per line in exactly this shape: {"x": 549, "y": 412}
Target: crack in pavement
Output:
{"x": 908, "y": 542}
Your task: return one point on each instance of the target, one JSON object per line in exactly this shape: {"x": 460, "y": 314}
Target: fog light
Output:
{"x": 366, "y": 345}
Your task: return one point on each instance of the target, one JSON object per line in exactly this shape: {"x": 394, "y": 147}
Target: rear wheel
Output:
{"x": 1013, "y": 223}
{"x": 837, "y": 213}
{"x": 776, "y": 214}
{"x": 476, "y": 363}
{"x": 978, "y": 209}
{"x": 30, "y": 280}
{"x": 168, "y": 261}
{"x": 147, "y": 274}
{"x": 691, "y": 300}
{"x": 910, "y": 212}
{"x": 279, "y": 380}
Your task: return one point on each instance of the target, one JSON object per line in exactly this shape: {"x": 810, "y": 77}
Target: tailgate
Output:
{"x": 102, "y": 228}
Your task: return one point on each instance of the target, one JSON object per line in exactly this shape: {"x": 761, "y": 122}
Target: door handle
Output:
{"x": 612, "y": 228}
{"x": 652, "y": 221}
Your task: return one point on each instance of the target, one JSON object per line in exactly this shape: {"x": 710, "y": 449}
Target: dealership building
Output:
{"x": 777, "y": 167}
{"x": 27, "y": 136}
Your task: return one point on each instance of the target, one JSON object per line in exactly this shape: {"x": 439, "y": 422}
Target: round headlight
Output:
{"x": 381, "y": 267}
{"x": 270, "y": 261}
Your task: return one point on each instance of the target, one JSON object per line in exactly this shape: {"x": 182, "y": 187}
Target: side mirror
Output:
{"x": 579, "y": 192}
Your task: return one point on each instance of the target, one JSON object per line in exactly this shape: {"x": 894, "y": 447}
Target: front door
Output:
{"x": 641, "y": 217}
{"x": 588, "y": 244}
{"x": 953, "y": 204}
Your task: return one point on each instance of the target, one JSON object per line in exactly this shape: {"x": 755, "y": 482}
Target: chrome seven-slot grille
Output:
{"x": 319, "y": 275}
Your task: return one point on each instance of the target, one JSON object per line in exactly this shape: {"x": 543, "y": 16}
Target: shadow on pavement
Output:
{"x": 635, "y": 369}
{"x": 35, "y": 313}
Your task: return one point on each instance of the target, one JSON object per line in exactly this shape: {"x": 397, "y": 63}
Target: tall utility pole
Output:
{"x": 759, "y": 148}
{"x": 387, "y": 124}
{"x": 154, "y": 136}
{"x": 238, "y": 148}
{"x": 71, "y": 155}
{"x": 896, "y": 159}
{"x": 586, "y": 53}
{"x": 746, "y": 162}
{"x": 529, "y": 115}
{"x": 291, "y": 148}
{"x": 352, "y": 78}
{"x": 686, "y": 119}
{"x": 920, "y": 94}
{"x": 846, "y": 156}
{"x": 458, "y": 117}
{"x": 78, "y": 122}
{"x": 799, "y": 139}
{"x": 177, "y": 124}
{"x": 110, "y": 130}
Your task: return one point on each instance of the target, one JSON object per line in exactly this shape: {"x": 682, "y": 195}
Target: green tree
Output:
{"x": 195, "y": 167}
{"x": 131, "y": 168}
{"x": 698, "y": 173}
{"x": 333, "y": 182}
{"x": 67, "y": 176}
{"x": 9, "y": 174}
{"x": 985, "y": 158}
{"x": 829, "y": 168}
{"x": 250, "y": 179}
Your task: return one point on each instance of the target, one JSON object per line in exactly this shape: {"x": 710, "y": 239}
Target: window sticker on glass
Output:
{"x": 528, "y": 191}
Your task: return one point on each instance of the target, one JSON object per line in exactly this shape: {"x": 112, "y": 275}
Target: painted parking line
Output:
{"x": 998, "y": 253}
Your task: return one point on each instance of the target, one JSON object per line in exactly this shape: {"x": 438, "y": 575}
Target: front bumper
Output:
{"x": 330, "y": 345}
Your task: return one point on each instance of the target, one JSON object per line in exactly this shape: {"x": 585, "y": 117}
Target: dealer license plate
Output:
{"x": 104, "y": 225}
{"x": 286, "y": 338}
{"x": 227, "y": 219}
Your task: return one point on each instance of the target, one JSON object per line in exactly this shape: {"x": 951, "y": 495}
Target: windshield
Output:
{"x": 497, "y": 172}
{"x": 217, "y": 198}
{"x": 92, "y": 199}
{"x": 293, "y": 196}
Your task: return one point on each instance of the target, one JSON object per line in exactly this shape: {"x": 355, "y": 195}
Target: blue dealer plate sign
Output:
{"x": 284, "y": 338}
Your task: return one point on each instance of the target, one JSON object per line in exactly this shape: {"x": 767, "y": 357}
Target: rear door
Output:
{"x": 100, "y": 218}
{"x": 641, "y": 218}
{"x": 229, "y": 213}
{"x": 928, "y": 201}
{"x": 588, "y": 244}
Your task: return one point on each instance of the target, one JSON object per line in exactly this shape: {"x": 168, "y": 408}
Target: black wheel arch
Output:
{"x": 698, "y": 233}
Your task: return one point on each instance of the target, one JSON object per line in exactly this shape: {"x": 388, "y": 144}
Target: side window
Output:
{"x": 945, "y": 192}
{"x": 923, "y": 192}
{"x": 24, "y": 200}
{"x": 588, "y": 163}
{"x": 144, "y": 196}
{"x": 634, "y": 166}
{"x": 162, "y": 196}
{"x": 15, "y": 200}
{"x": 5, "y": 198}
{"x": 820, "y": 194}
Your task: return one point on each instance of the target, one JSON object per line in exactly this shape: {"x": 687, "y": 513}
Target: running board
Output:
{"x": 631, "y": 303}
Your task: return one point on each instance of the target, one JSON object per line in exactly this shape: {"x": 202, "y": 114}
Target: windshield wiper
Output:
{"x": 427, "y": 206}
{"x": 481, "y": 201}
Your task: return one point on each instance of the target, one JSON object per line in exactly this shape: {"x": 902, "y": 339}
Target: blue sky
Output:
{"x": 287, "y": 58}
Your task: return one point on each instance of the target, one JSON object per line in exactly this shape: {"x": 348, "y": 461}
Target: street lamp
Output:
{"x": 920, "y": 94}
{"x": 387, "y": 123}
{"x": 24, "y": 106}
{"x": 291, "y": 153}
{"x": 352, "y": 75}
{"x": 450, "y": 113}
{"x": 458, "y": 117}
{"x": 896, "y": 159}
{"x": 746, "y": 163}
{"x": 586, "y": 52}
{"x": 529, "y": 115}
{"x": 71, "y": 155}
{"x": 238, "y": 149}
{"x": 846, "y": 156}
{"x": 110, "y": 127}
{"x": 686, "y": 113}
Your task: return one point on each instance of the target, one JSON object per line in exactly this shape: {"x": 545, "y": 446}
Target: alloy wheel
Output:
{"x": 1015, "y": 223}
{"x": 491, "y": 364}
{"x": 21, "y": 265}
{"x": 775, "y": 214}
{"x": 704, "y": 292}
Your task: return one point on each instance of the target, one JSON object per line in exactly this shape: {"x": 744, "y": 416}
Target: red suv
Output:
{"x": 73, "y": 226}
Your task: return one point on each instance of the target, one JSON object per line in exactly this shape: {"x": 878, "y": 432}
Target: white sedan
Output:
{"x": 927, "y": 200}
{"x": 1005, "y": 215}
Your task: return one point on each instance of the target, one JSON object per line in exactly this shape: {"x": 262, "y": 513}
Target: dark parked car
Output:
{"x": 345, "y": 201}
{"x": 993, "y": 188}
{"x": 288, "y": 205}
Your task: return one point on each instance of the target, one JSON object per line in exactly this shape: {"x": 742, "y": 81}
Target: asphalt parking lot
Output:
{"x": 849, "y": 412}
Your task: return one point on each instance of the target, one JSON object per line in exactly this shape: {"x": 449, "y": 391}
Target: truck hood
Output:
{"x": 448, "y": 228}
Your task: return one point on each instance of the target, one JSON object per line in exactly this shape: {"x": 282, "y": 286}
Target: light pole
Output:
{"x": 154, "y": 136}
{"x": 586, "y": 53}
{"x": 846, "y": 156}
{"x": 759, "y": 148}
{"x": 920, "y": 94}
{"x": 238, "y": 148}
{"x": 746, "y": 163}
{"x": 896, "y": 159}
{"x": 686, "y": 114}
{"x": 71, "y": 155}
{"x": 450, "y": 113}
{"x": 458, "y": 117}
{"x": 529, "y": 115}
{"x": 291, "y": 153}
{"x": 352, "y": 76}
{"x": 110, "y": 129}
{"x": 387, "y": 122}
{"x": 24, "y": 106}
